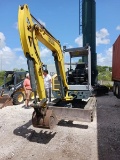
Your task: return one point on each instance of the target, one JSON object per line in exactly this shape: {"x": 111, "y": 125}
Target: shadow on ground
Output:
{"x": 43, "y": 136}
{"x": 70, "y": 124}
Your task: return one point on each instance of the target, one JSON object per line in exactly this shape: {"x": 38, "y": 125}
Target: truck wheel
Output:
{"x": 114, "y": 88}
{"x": 117, "y": 90}
{"x": 18, "y": 98}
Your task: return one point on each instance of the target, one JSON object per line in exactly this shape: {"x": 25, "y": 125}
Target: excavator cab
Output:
{"x": 79, "y": 75}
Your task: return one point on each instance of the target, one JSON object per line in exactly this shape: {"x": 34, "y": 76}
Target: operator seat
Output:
{"x": 80, "y": 74}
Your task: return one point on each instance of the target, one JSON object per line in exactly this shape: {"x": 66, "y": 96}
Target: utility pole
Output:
{"x": 80, "y": 17}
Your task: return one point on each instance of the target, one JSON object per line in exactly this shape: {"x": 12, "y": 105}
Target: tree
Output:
{"x": 104, "y": 73}
{"x": 16, "y": 69}
{"x": 2, "y": 77}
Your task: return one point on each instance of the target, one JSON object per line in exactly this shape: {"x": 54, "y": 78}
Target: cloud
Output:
{"x": 17, "y": 49}
{"x": 9, "y": 59}
{"x": 41, "y": 22}
{"x": 118, "y": 27}
{"x": 44, "y": 52}
{"x": 21, "y": 62}
{"x": 46, "y": 55}
{"x": 105, "y": 59}
{"x": 15, "y": 25}
{"x": 2, "y": 40}
{"x": 102, "y": 37}
{"x": 79, "y": 41}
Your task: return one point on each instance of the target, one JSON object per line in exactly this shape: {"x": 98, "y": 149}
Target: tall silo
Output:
{"x": 89, "y": 33}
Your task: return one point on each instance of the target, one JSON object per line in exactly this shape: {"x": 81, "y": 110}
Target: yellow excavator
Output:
{"x": 31, "y": 31}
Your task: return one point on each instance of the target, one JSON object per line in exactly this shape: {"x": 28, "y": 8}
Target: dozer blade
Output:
{"x": 76, "y": 114}
{"x": 5, "y": 101}
{"x": 48, "y": 121}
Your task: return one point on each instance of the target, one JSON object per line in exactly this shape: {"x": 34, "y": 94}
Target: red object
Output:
{"x": 27, "y": 84}
{"x": 116, "y": 60}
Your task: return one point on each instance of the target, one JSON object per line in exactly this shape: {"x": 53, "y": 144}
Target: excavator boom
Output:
{"x": 30, "y": 33}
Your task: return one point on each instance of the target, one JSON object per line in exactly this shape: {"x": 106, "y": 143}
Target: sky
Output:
{"x": 61, "y": 18}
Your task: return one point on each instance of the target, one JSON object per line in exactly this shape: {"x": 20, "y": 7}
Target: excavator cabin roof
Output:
{"x": 77, "y": 52}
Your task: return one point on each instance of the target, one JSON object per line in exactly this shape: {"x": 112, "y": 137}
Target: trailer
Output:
{"x": 116, "y": 67}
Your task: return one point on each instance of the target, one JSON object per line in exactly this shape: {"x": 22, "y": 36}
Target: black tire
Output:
{"x": 18, "y": 98}
{"x": 117, "y": 90}
{"x": 114, "y": 89}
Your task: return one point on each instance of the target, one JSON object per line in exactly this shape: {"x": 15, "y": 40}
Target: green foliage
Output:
{"x": 22, "y": 69}
{"x": 103, "y": 68}
{"x": 16, "y": 69}
{"x": 104, "y": 73}
{"x": 2, "y": 77}
{"x": 110, "y": 86}
{"x": 80, "y": 60}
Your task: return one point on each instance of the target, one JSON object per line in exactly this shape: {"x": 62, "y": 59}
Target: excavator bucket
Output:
{"x": 54, "y": 114}
{"x": 43, "y": 117}
{"x": 48, "y": 121}
{"x": 5, "y": 100}
{"x": 85, "y": 114}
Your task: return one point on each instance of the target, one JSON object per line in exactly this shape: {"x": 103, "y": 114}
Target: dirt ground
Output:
{"x": 98, "y": 140}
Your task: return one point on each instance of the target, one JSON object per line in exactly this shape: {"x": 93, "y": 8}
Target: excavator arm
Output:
{"x": 30, "y": 34}
{"x": 31, "y": 31}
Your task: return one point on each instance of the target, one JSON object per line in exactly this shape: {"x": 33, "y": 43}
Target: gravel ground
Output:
{"x": 100, "y": 139}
